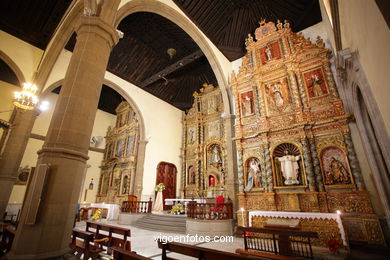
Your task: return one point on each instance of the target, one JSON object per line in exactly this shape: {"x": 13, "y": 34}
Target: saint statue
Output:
{"x": 254, "y": 175}
{"x": 268, "y": 52}
{"x": 215, "y": 156}
{"x": 247, "y": 106}
{"x": 316, "y": 85}
{"x": 337, "y": 173}
{"x": 289, "y": 166}
{"x": 278, "y": 98}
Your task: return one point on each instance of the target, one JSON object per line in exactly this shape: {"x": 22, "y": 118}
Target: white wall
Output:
{"x": 364, "y": 30}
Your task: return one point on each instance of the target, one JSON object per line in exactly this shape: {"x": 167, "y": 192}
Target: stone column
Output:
{"x": 139, "y": 172}
{"x": 232, "y": 175}
{"x": 10, "y": 160}
{"x": 66, "y": 146}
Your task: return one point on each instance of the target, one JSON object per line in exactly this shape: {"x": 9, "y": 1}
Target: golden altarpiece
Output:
{"x": 204, "y": 145}
{"x": 295, "y": 151}
{"x": 120, "y": 156}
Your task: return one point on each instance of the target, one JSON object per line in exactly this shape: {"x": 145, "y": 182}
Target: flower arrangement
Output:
{"x": 97, "y": 215}
{"x": 334, "y": 245}
{"x": 177, "y": 209}
{"x": 160, "y": 187}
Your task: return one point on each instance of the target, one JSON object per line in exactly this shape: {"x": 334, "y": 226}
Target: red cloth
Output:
{"x": 220, "y": 200}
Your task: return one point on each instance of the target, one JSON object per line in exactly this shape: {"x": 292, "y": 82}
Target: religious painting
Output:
{"x": 271, "y": 51}
{"x": 214, "y": 155}
{"x": 23, "y": 175}
{"x": 191, "y": 175}
{"x": 335, "y": 166}
{"x": 214, "y": 129}
{"x": 191, "y": 135}
{"x": 120, "y": 147}
{"x": 130, "y": 144}
{"x": 278, "y": 95}
{"x": 253, "y": 174}
{"x": 247, "y": 105}
{"x": 315, "y": 83}
{"x": 288, "y": 168}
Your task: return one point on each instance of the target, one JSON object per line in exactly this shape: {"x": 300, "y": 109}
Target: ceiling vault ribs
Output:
{"x": 172, "y": 68}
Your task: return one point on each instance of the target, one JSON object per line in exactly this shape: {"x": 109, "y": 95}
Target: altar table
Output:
{"x": 301, "y": 215}
{"x": 113, "y": 209}
{"x": 185, "y": 201}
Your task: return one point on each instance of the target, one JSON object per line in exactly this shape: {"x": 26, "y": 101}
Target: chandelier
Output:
{"x": 26, "y": 99}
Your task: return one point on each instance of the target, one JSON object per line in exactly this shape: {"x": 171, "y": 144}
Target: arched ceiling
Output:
{"x": 141, "y": 56}
{"x": 7, "y": 74}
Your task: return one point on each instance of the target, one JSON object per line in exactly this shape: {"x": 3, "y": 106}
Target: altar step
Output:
{"x": 163, "y": 223}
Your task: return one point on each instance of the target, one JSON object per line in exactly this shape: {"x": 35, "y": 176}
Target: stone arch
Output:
{"x": 174, "y": 16}
{"x": 138, "y": 184}
{"x": 18, "y": 72}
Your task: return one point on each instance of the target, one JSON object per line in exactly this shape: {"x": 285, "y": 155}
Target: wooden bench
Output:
{"x": 199, "y": 252}
{"x": 278, "y": 241}
{"x": 120, "y": 254}
{"x": 83, "y": 244}
{"x": 7, "y": 238}
{"x": 111, "y": 241}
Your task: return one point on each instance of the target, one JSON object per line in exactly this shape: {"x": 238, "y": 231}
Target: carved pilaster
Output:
{"x": 240, "y": 170}
{"x": 354, "y": 163}
{"x": 329, "y": 76}
{"x": 316, "y": 165}
{"x": 302, "y": 90}
{"x": 260, "y": 100}
{"x": 268, "y": 171}
{"x": 308, "y": 165}
{"x": 294, "y": 88}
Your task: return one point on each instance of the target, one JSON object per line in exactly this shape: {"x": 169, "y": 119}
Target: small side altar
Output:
{"x": 113, "y": 209}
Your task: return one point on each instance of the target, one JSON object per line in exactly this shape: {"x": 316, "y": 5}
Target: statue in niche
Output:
{"x": 211, "y": 105}
{"x": 337, "y": 173}
{"x": 215, "y": 156}
{"x": 211, "y": 181}
{"x": 316, "y": 85}
{"x": 125, "y": 188}
{"x": 191, "y": 135}
{"x": 335, "y": 166}
{"x": 213, "y": 129}
{"x": 277, "y": 95}
{"x": 268, "y": 52}
{"x": 254, "y": 175}
{"x": 191, "y": 175}
{"x": 247, "y": 103}
{"x": 290, "y": 168}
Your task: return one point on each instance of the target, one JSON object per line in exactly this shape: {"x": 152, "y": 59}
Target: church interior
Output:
{"x": 194, "y": 129}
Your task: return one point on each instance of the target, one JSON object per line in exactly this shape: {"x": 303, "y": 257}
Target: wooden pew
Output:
{"x": 199, "y": 252}
{"x": 120, "y": 254}
{"x": 278, "y": 241}
{"x": 110, "y": 229}
{"x": 82, "y": 244}
{"x": 6, "y": 240}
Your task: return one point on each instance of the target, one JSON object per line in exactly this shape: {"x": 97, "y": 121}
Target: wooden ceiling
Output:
{"x": 141, "y": 56}
{"x": 227, "y": 22}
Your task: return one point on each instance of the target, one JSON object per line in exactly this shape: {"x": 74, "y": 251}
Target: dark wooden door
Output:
{"x": 166, "y": 173}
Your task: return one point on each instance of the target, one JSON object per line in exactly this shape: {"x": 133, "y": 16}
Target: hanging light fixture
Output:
{"x": 26, "y": 99}
{"x": 171, "y": 52}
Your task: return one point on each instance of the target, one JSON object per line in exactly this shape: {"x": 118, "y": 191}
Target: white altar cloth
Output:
{"x": 300, "y": 215}
{"x": 185, "y": 201}
{"x": 113, "y": 209}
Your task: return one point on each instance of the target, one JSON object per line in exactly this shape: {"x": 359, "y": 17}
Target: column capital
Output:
{"x": 91, "y": 24}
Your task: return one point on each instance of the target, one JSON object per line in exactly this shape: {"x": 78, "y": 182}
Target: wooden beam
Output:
{"x": 172, "y": 68}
